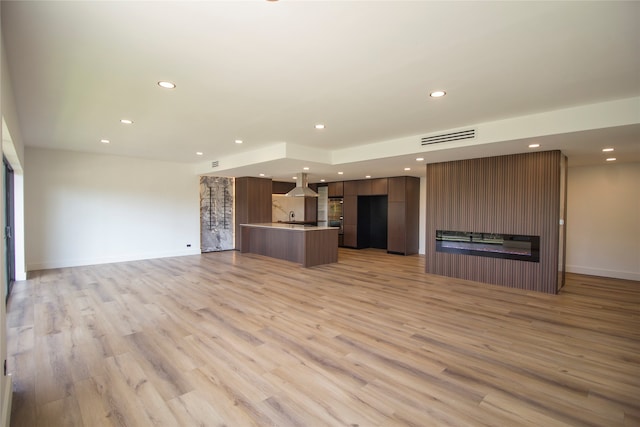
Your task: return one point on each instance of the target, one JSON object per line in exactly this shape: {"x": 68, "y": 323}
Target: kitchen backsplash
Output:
{"x": 282, "y": 207}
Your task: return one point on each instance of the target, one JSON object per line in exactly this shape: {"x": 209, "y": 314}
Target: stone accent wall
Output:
{"x": 216, "y": 213}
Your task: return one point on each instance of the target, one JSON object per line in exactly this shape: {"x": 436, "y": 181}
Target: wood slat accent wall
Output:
{"x": 514, "y": 194}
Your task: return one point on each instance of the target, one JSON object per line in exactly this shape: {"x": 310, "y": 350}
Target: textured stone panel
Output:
{"x": 216, "y": 213}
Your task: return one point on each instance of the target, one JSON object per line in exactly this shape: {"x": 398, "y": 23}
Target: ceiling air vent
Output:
{"x": 448, "y": 137}
{"x": 215, "y": 163}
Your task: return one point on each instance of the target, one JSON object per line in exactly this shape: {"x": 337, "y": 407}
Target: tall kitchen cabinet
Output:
{"x": 253, "y": 203}
{"x": 403, "y": 220}
{"x": 350, "y": 214}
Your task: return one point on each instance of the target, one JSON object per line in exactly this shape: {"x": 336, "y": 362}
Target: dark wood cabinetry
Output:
{"x": 397, "y": 189}
{"x": 403, "y": 215}
{"x": 396, "y": 236}
{"x": 253, "y": 203}
{"x": 350, "y": 188}
{"x": 394, "y": 201}
{"x": 379, "y": 186}
{"x": 350, "y": 221}
{"x": 336, "y": 189}
{"x": 281, "y": 187}
{"x": 307, "y": 246}
{"x": 401, "y": 209}
{"x": 364, "y": 187}
{"x": 310, "y": 209}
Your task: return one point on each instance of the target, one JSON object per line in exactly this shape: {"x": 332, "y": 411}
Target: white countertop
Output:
{"x": 284, "y": 226}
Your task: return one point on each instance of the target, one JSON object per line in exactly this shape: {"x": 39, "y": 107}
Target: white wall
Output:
{"x": 83, "y": 209}
{"x": 603, "y": 220}
{"x": 18, "y": 226}
{"x": 6, "y": 387}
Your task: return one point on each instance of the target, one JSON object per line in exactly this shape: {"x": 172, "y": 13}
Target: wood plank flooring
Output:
{"x": 230, "y": 339}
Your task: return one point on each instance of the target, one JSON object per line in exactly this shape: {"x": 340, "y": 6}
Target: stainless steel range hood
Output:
{"x": 302, "y": 187}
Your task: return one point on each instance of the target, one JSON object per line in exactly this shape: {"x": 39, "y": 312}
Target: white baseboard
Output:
{"x": 47, "y": 265}
{"x": 626, "y": 275}
{"x": 7, "y": 393}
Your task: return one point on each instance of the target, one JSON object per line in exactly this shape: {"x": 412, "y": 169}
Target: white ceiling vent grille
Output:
{"x": 448, "y": 137}
{"x": 215, "y": 163}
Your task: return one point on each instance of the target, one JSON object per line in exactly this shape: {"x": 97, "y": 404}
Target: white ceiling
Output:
{"x": 266, "y": 72}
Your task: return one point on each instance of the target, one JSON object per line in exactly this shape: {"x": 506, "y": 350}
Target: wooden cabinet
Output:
{"x": 379, "y": 186}
{"x": 402, "y": 209}
{"x": 307, "y": 246}
{"x": 350, "y": 188}
{"x": 396, "y": 235}
{"x": 281, "y": 187}
{"x": 253, "y": 203}
{"x": 336, "y": 189}
{"x": 397, "y": 189}
{"x": 403, "y": 215}
{"x": 310, "y": 209}
{"x": 364, "y": 187}
{"x": 350, "y": 221}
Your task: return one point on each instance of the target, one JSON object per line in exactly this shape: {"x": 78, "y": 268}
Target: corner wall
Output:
{"x": 83, "y": 209}
{"x": 515, "y": 194}
{"x": 6, "y": 386}
{"x": 603, "y": 220}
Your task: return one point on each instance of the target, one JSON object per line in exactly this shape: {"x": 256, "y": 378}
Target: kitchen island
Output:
{"x": 308, "y": 245}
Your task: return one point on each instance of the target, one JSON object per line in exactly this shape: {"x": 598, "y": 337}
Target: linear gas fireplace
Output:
{"x": 492, "y": 245}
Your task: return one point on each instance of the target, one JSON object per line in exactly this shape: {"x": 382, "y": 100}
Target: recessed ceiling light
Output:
{"x": 367, "y": 176}
{"x": 407, "y": 169}
{"x": 166, "y": 85}
{"x": 340, "y": 173}
{"x": 261, "y": 174}
{"x": 437, "y": 94}
{"x": 611, "y": 159}
{"x": 238, "y": 141}
{"x": 126, "y": 121}
{"x": 105, "y": 141}
{"x": 534, "y": 145}
{"x": 199, "y": 153}
{"x": 606, "y": 150}
{"x": 306, "y": 168}
{"x": 322, "y": 180}
{"x": 319, "y": 126}
{"x": 419, "y": 159}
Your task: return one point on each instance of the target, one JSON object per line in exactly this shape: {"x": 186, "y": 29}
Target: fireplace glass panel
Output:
{"x": 493, "y": 245}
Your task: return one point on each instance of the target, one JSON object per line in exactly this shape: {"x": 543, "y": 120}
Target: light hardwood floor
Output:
{"x": 242, "y": 340}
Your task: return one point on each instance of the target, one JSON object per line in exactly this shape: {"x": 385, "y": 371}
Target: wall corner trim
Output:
{"x": 7, "y": 393}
